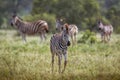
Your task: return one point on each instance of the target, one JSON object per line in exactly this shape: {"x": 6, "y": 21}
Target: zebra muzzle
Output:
{"x": 68, "y": 43}
{"x": 11, "y": 24}
{"x": 99, "y": 28}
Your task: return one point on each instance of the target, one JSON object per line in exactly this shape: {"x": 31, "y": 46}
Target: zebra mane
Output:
{"x": 20, "y": 18}
{"x": 17, "y": 17}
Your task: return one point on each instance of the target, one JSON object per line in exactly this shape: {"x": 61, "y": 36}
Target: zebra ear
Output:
{"x": 66, "y": 27}
{"x": 14, "y": 15}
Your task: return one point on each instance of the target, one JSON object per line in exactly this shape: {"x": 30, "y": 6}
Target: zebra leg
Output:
{"x": 59, "y": 62}
{"x": 52, "y": 62}
{"x": 65, "y": 62}
{"x": 102, "y": 38}
{"x": 109, "y": 37}
{"x": 41, "y": 37}
{"x": 23, "y": 37}
{"x": 72, "y": 39}
{"x": 75, "y": 39}
{"x": 105, "y": 38}
{"x": 44, "y": 36}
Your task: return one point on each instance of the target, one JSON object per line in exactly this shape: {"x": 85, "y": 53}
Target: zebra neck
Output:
{"x": 62, "y": 44}
{"x": 18, "y": 23}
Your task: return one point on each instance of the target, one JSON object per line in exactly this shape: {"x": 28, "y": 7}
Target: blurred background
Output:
{"x": 83, "y": 13}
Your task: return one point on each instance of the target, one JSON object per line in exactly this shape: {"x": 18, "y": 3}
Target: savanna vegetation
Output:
{"x": 32, "y": 61}
{"x": 88, "y": 60}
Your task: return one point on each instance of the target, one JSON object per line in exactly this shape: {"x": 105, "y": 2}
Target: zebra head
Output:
{"x": 59, "y": 24}
{"x": 14, "y": 20}
{"x": 100, "y": 25}
{"x": 65, "y": 35}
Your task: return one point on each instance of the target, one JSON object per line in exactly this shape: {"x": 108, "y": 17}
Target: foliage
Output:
{"x": 88, "y": 37}
{"x": 111, "y": 12}
{"x": 114, "y": 17}
{"x": 8, "y": 7}
{"x": 83, "y": 13}
{"x": 72, "y": 14}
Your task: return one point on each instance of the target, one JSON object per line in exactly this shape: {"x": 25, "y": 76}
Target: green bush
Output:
{"x": 118, "y": 30}
{"x": 88, "y": 37}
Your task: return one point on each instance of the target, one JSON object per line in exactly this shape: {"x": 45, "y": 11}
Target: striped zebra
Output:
{"x": 73, "y": 31}
{"x": 58, "y": 45}
{"x": 29, "y": 28}
{"x": 105, "y": 30}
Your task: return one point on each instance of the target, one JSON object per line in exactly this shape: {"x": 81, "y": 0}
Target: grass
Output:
{"x": 32, "y": 61}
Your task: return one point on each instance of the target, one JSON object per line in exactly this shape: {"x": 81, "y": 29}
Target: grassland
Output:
{"x": 32, "y": 61}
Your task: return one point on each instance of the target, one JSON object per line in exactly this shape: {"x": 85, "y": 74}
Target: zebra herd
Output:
{"x": 60, "y": 41}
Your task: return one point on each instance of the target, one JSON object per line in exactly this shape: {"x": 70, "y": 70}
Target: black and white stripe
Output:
{"x": 30, "y": 28}
{"x": 58, "y": 46}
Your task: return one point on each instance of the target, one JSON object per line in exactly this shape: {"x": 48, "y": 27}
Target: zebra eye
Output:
{"x": 64, "y": 35}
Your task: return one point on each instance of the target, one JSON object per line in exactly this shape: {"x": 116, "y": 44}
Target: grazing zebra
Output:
{"x": 59, "y": 24}
{"x": 30, "y": 28}
{"x": 106, "y": 31}
{"x": 73, "y": 30}
{"x": 58, "y": 45}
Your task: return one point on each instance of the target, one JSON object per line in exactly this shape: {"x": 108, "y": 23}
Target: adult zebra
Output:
{"x": 105, "y": 30}
{"x": 58, "y": 45}
{"x": 29, "y": 28}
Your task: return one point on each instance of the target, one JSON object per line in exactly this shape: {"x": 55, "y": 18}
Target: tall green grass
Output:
{"x": 32, "y": 61}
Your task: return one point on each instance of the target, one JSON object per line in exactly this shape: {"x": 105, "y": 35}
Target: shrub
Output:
{"x": 88, "y": 37}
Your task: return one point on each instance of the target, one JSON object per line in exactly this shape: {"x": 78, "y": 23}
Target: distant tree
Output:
{"x": 80, "y": 12}
{"x": 8, "y": 7}
{"x": 113, "y": 13}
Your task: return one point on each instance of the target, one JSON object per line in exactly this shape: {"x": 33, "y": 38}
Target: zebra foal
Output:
{"x": 29, "y": 28}
{"x": 58, "y": 45}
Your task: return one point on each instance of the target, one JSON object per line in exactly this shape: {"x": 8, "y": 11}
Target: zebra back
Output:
{"x": 30, "y": 27}
{"x": 73, "y": 29}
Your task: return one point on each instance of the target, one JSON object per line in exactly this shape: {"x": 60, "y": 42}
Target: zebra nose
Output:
{"x": 11, "y": 24}
{"x": 56, "y": 29}
{"x": 99, "y": 28}
{"x": 68, "y": 43}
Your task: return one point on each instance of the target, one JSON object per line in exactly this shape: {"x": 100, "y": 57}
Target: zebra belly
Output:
{"x": 29, "y": 32}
